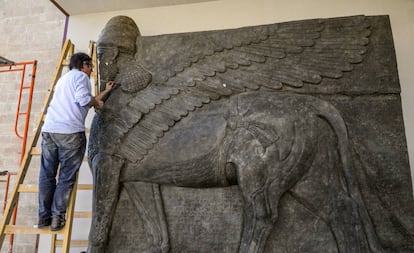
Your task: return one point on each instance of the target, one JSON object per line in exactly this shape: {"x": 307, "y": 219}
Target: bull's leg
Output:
{"x": 258, "y": 216}
{"x": 327, "y": 197}
{"x": 146, "y": 197}
{"x": 106, "y": 170}
{"x": 345, "y": 225}
{"x": 258, "y": 221}
{"x": 340, "y": 214}
{"x": 265, "y": 174}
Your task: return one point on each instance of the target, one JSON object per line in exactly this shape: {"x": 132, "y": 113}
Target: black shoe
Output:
{"x": 42, "y": 223}
{"x": 57, "y": 224}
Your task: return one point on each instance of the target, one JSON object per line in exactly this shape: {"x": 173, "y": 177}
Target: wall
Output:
{"x": 29, "y": 30}
{"x": 238, "y": 13}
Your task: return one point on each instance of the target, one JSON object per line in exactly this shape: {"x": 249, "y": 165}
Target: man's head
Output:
{"x": 79, "y": 60}
{"x": 82, "y": 62}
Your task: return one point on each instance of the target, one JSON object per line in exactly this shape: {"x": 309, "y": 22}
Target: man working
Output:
{"x": 64, "y": 140}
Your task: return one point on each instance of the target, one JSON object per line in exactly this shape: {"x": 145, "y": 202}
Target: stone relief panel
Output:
{"x": 284, "y": 137}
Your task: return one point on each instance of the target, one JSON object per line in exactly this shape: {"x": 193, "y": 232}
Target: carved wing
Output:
{"x": 192, "y": 69}
{"x": 288, "y": 53}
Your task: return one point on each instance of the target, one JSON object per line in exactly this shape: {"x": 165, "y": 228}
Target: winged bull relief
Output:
{"x": 250, "y": 140}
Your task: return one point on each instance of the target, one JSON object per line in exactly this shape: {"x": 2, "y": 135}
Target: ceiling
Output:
{"x": 77, "y": 7}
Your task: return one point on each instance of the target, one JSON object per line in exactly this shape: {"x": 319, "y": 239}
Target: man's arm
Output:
{"x": 97, "y": 101}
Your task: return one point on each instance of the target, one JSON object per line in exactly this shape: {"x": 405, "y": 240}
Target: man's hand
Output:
{"x": 97, "y": 101}
{"x": 109, "y": 86}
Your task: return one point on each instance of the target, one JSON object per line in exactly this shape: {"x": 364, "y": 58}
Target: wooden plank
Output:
{"x": 83, "y": 215}
{"x": 53, "y": 239}
{"x": 84, "y": 187}
{"x": 33, "y": 188}
{"x": 69, "y": 218}
{"x": 73, "y": 243}
{"x": 29, "y": 188}
{"x": 35, "y": 151}
{"x": 94, "y": 74}
{"x": 30, "y": 230}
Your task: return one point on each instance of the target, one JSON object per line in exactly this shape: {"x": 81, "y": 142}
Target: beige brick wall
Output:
{"x": 29, "y": 30}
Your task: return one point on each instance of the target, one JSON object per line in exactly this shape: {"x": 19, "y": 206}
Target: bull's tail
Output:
{"x": 331, "y": 115}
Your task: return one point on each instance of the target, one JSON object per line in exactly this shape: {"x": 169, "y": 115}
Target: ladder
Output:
{"x": 19, "y": 187}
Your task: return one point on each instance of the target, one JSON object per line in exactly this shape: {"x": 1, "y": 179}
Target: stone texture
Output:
{"x": 172, "y": 130}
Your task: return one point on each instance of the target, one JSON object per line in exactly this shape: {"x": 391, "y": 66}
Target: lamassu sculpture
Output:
{"x": 221, "y": 108}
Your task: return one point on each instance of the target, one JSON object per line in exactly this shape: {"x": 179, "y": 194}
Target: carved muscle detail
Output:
{"x": 272, "y": 57}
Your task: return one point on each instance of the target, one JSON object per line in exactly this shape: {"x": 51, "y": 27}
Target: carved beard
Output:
{"x": 108, "y": 70}
{"x": 132, "y": 77}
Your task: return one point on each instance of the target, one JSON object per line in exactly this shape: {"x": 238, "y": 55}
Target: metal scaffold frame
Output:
{"x": 7, "y": 66}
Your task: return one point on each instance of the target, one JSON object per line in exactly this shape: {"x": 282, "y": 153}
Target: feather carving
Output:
{"x": 192, "y": 69}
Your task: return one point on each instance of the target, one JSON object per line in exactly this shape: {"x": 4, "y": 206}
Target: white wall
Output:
{"x": 237, "y": 13}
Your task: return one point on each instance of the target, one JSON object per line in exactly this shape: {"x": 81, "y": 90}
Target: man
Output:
{"x": 64, "y": 140}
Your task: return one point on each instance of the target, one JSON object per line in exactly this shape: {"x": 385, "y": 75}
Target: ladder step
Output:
{"x": 35, "y": 151}
{"x": 84, "y": 187}
{"x": 33, "y": 188}
{"x": 73, "y": 243}
{"x": 29, "y": 230}
{"x": 83, "y": 215}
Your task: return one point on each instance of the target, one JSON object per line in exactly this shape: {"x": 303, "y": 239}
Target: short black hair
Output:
{"x": 77, "y": 60}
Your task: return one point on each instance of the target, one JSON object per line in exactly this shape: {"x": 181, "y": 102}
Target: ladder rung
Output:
{"x": 28, "y": 230}
{"x": 84, "y": 187}
{"x": 81, "y": 215}
{"x": 35, "y": 151}
{"x": 73, "y": 243}
{"x": 33, "y": 188}
{"x": 28, "y": 188}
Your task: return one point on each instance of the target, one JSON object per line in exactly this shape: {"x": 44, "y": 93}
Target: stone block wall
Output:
{"x": 29, "y": 30}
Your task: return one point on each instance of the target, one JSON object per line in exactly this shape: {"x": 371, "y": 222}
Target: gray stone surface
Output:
{"x": 279, "y": 138}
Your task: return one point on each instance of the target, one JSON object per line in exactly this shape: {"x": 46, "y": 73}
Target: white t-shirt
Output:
{"x": 68, "y": 109}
